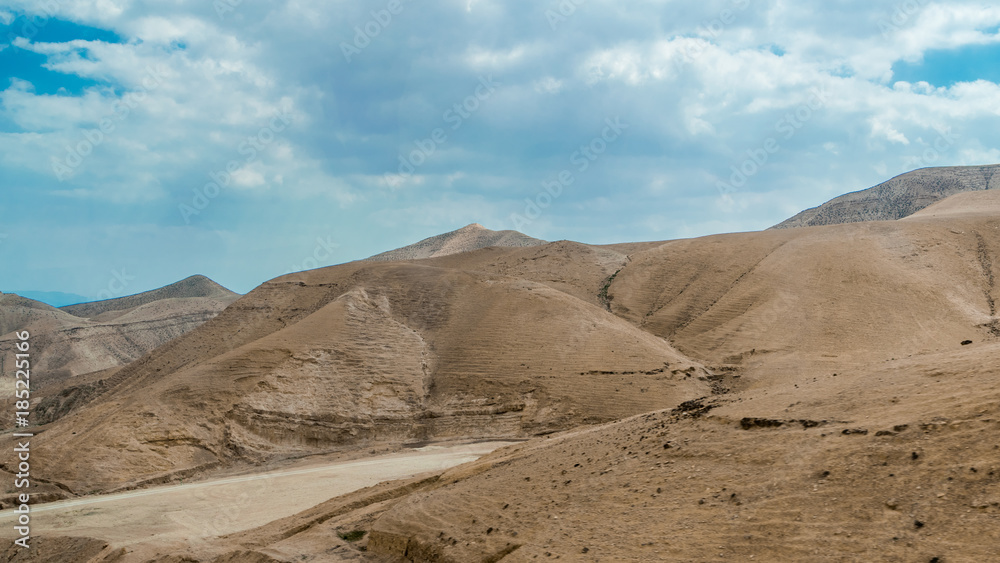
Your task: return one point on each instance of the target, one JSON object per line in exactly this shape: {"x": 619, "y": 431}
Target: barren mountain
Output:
{"x": 468, "y": 238}
{"x": 875, "y": 463}
{"x": 368, "y": 353}
{"x": 18, "y": 312}
{"x": 899, "y": 197}
{"x": 859, "y": 429}
{"x": 96, "y": 336}
{"x": 832, "y": 397}
{"x": 188, "y": 288}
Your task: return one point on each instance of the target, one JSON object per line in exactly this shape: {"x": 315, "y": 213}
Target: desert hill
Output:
{"x": 17, "y": 312}
{"x": 518, "y": 341}
{"x": 96, "y": 336}
{"x": 899, "y": 197}
{"x": 468, "y": 238}
{"x": 887, "y": 464}
{"x": 188, "y": 288}
{"x": 860, "y": 430}
{"x": 823, "y": 394}
{"x": 783, "y": 301}
{"x": 368, "y": 353}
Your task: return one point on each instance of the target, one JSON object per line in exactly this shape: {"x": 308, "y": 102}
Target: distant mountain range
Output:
{"x": 54, "y": 298}
{"x": 899, "y": 197}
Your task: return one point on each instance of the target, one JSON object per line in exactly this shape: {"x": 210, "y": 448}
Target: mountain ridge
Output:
{"x": 100, "y": 335}
{"x": 192, "y": 286}
{"x": 898, "y": 197}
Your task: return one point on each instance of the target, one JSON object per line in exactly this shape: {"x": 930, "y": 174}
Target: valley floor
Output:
{"x": 162, "y": 519}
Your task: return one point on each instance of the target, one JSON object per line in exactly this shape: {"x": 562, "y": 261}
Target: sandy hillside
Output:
{"x": 881, "y": 463}
{"x": 96, "y": 336}
{"x": 17, "y": 312}
{"x": 899, "y": 197}
{"x": 878, "y": 448}
{"x": 826, "y": 393}
{"x": 365, "y": 353}
{"x": 189, "y": 288}
{"x": 781, "y": 301}
{"x": 468, "y": 238}
{"x": 886, "y": 462}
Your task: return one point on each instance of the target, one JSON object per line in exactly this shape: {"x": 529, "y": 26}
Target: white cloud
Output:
{"x": 249, "y": 176}
{"x": 881, "y": 128}
{"x": 480, "y": 58}
{"x": 87, "y": 11}
{"x": 548, "y": 85}
{"x": 697, "y": 103}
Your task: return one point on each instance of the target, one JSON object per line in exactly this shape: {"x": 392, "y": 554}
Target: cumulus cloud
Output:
{"x": 263, "y": 97}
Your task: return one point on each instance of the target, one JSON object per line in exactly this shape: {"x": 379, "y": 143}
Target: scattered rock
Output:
{"x": 749, "y": 422}
{"x": 693, "y": 408}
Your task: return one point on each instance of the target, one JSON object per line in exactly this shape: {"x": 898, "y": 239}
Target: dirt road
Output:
{"x": 201, "y": 510}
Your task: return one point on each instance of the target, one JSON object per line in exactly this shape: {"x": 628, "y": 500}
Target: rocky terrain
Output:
{"x": 899, "y": 197}
{"x": 821, "y": 394}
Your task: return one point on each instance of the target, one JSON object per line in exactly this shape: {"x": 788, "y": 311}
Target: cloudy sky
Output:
{"x": 142, "y": 141}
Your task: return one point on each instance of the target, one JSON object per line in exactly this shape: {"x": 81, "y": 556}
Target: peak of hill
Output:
{"x": 468, "y": 238}
{"x": 899, "y": 197}
{"x": 193, "y": 286}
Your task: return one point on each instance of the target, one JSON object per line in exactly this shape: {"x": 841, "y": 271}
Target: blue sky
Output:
{"x": 142, "y": 142}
